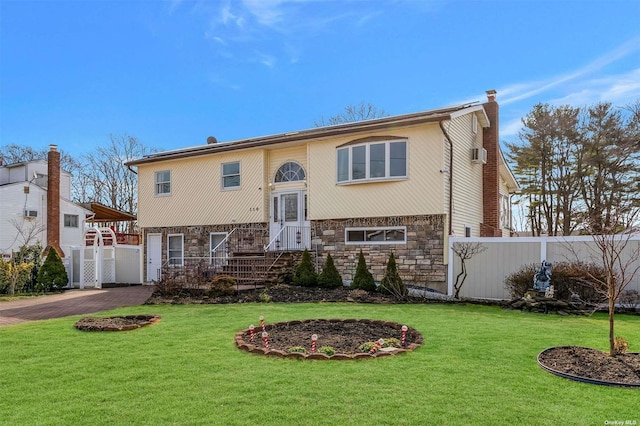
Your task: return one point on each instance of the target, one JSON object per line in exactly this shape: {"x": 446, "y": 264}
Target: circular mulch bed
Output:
{"x": 343, "y": 335}
{"x": 592, "y": 366}
{"x": 122, "y": 323}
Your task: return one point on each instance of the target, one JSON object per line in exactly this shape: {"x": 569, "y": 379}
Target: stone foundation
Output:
{"x": 420, "y": 260}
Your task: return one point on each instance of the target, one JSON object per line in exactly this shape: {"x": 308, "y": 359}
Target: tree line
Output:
{"x": 578, "y": 168}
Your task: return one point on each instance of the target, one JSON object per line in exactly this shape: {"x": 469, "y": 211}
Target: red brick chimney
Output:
{"x": 53, "y": 201}
{"x": 490, "y": 226}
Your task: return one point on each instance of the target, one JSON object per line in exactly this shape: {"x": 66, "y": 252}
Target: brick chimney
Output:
{"x": 490, "y": 226}
{"x": 53, "y": 200}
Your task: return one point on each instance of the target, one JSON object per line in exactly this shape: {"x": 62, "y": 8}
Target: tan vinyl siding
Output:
{"x": 467, "y": 176}
{"x": 278, "y": 157}
{"x": 410, "y": 196}
{"x": 196, "y": 196}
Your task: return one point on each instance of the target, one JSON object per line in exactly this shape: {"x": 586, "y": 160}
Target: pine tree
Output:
{"x": 363, "y": 279}
{"x": 392, "y": 283}
{"x": 52, "y": 274}
{"x": 305, "y": 272}
{"x": 329, "y": 277}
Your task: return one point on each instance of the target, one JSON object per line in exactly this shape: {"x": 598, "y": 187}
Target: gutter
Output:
{"x": 446, "y": 135}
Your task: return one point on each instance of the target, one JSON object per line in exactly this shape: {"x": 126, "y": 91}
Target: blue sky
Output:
{"x": 172, "y": 73}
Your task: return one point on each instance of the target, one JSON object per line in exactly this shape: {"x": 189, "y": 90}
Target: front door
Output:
{"x": 289, "y": 229}
{"x": 154, "y": 256}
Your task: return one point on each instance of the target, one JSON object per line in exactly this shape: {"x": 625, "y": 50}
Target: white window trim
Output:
{"x": 222, "y": 176}
{"x": 387, "y": 177}
{"x": 155, "y": 184}
{"x": 181, "y": 251}
{"x": 375, "y": 228}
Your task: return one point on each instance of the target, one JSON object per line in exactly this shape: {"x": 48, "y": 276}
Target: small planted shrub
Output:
{"x": 297, "y": 349}
{"x": 391, "y": 342}
{"x": 392, "y": 283}
{"x": 52, "y": 274}
{"x": 327, "y": 350}
{"x": 366, "y": 346}
{"x": 620, "y": 345}
{"x": 629, "y": 299}
{"x": 329, "y": 277}
{"x": 363, "y": 279}
{"x": 222, "y": 285}
{"x": 305, "y": 274}
{"x": 264, "y": 296}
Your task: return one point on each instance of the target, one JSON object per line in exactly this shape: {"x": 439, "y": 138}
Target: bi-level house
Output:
{"x": 398, "y": 184}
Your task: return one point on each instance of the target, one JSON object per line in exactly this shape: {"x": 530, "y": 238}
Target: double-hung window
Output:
{"x": 372, "y": 161}
{"x": 175, "y": 249}
{"x": 70, "y": 220}
{"x": 231, "y": 175}
{"x": 163, "y": 182}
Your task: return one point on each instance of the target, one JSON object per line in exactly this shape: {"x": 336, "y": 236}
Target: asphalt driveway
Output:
{"x": 72, "y": 302}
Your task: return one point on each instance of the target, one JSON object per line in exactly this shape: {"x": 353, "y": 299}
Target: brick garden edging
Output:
{"x": 261, "y": 350}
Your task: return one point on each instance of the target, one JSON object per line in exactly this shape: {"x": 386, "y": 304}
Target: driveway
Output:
{"x": 72, "y": 302}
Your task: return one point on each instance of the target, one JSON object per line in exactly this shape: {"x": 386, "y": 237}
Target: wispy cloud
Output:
{"x": 521, "y": 91}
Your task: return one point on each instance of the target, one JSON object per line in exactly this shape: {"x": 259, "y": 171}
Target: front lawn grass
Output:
{"x": 477, "y": 366}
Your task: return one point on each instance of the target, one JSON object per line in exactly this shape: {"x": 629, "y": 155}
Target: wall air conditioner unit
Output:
{"x": 30, "y": 213}
{"x": 479, "y": 155}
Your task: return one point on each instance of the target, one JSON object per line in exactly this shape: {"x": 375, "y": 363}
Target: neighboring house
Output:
{"x": 398, "y": 184}
{"x": 23, "y": 208}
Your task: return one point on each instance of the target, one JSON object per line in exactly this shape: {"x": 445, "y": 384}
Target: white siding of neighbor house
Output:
{"x": 467, "y": 176}
{"x": 15, "y": 201}
{"x": 196, "y": 196}
{"x": 421, "y": 193}
{"x": 504, "y": 190}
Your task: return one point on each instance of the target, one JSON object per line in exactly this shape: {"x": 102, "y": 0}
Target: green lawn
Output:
{"x": 477, "y": 366}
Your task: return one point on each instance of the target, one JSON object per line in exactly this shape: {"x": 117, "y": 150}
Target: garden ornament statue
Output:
{"x": 542, "y": 277}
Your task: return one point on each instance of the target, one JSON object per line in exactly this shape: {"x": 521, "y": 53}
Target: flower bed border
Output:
{"x": 250, "y": 347}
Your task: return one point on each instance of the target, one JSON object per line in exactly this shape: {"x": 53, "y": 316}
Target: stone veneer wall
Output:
{"x": 196, "y": 238}
{"x": 420, "y": 261}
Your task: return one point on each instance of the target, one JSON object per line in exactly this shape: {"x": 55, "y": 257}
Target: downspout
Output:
{"x": 446, "y": 135}
{"x": 131, "y": 170}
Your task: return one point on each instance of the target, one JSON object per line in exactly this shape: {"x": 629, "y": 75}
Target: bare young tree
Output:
{"x": 465, "y": 251}
{"x": 352, "y": 113}
{"x": 107, "y": 180}
{"x": 16, "y": 271}
{"x": 619, "y": 257}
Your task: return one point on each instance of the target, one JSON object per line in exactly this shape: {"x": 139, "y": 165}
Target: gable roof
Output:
{"x": 430, "y": 116}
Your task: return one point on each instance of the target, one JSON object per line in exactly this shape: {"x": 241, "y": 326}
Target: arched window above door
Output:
{"x": 290, "y": 172}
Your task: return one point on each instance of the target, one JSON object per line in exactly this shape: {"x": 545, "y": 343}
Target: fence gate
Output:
{"x": 97, "y": 258}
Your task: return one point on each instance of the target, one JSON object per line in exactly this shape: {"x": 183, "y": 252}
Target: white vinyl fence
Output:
{"x": 503, "y": 256}
{"x": 96, "y": 265}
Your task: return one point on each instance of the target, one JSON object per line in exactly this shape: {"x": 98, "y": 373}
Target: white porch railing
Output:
{"x": 290, "y": 238}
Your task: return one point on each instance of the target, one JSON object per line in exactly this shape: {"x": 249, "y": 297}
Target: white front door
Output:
{"x": 154, "y": 256}
{"x": 289, "y": 227}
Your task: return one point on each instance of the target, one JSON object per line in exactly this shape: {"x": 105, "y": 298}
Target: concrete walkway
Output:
{"x": 72, "y": 302}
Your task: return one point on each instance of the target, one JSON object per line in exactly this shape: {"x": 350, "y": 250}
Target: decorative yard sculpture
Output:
{"x": 542, "y": 277}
